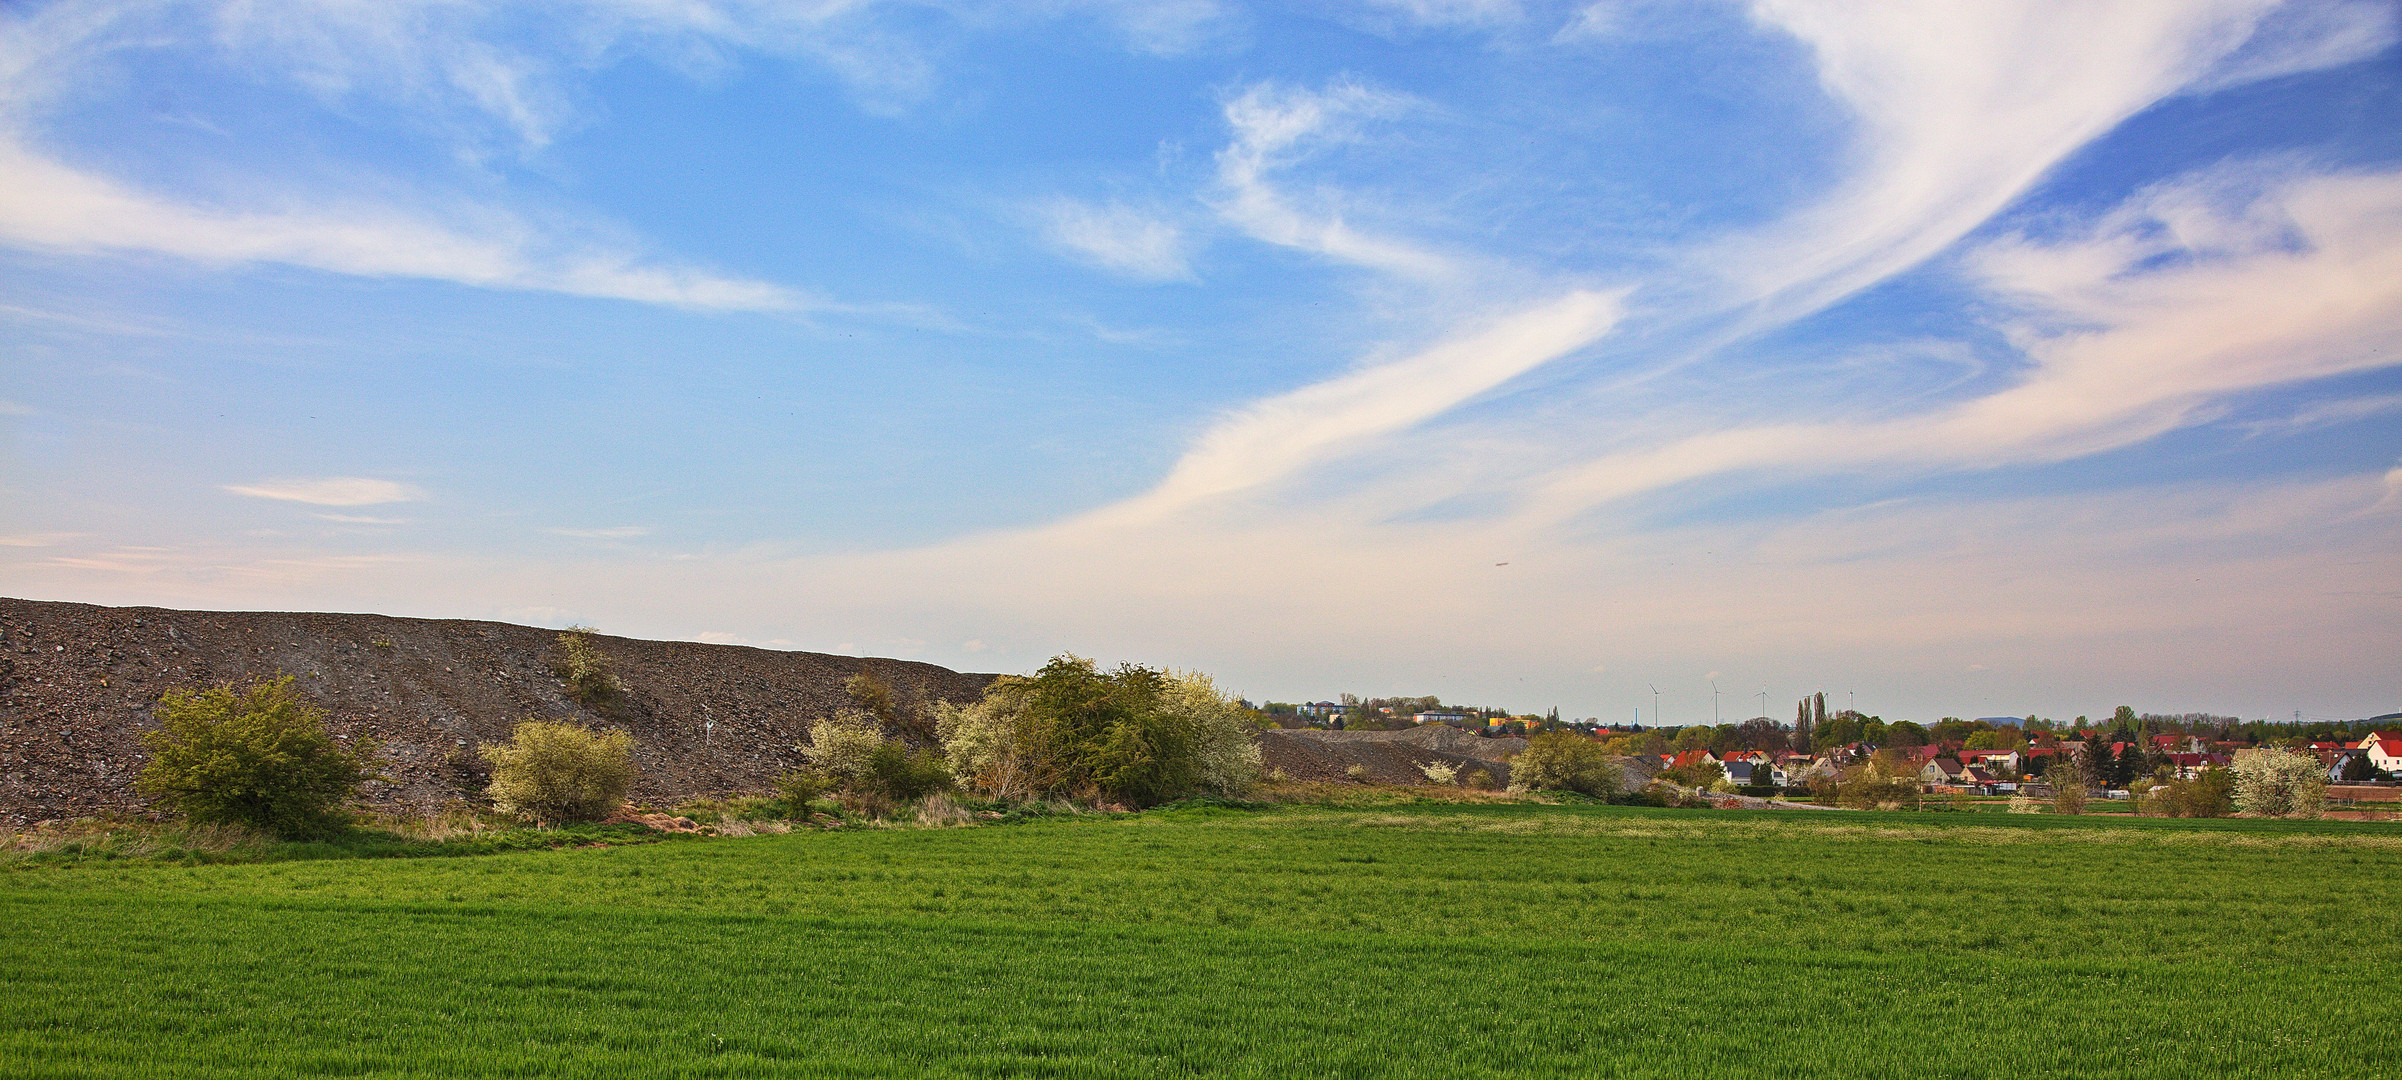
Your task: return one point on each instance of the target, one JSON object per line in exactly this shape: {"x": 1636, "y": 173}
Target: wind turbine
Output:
{"x": 1763, "y": 696}
{"x": 1655, "y": 703}
{"x": 1714, "y": 719}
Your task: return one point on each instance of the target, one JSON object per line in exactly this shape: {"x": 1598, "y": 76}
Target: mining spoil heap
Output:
{"x": 77, "y": 684}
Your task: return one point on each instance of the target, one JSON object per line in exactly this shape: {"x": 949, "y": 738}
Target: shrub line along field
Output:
{"x": 1428, "y": 940}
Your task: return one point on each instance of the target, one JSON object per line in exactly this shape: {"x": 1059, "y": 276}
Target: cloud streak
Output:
{"x": 332, "y": 491}
{"x": 1959, "y": 110}
{"x": 1274, "y": 127}
{"x": 1282, "y": 435}
{"x": 1117, "y": 238}
{"x": 2190, "y": 293}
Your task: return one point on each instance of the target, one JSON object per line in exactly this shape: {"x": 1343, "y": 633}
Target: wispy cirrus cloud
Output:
{"x": 2189, "y": 293}
{"x": 1282, "y": 435}
{"x": 48, "y": 206}
{"x": 1952, "y": 128}
{"x": 1273, "y": 127}
{"x": 1116, "y": 237}
{"x": 332, "y": 491}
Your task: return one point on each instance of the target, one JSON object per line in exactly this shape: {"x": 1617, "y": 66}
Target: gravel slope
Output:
{"x": 77, "y": 683}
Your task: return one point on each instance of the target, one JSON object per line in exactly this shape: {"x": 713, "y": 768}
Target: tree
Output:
{"x": 2279, "y": 783}
{"x": 2068, "y": 786}
{"x": 1563, "y": 761}
{"x": 1906, "y": 734}
{"x": 259, "y": 757}
{"x": 554, "y": 772}
{"x": 585, "y": 672}
{"x": 2359, "y": 769}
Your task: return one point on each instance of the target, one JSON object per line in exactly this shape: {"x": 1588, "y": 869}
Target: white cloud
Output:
{"x": 1275, "y": 126}
{"x": 47, "y": 205}
{"x": 1961, "y": 107}
{"x": 2330, "y": 413}
{"x": 2301, "y": 37}
{"x": 1452, "y": 12}
{"x": 618, "y": 532}
{"x": 2189, "y": 293}
{"x": 1117, "y": 237}
{"x": 332, "y": 491}
{"x": 1592, "y": 22}
{"x": 361, "y": 519}
{"x": 1278, "y": 436}
{"x": 32, "y": 540}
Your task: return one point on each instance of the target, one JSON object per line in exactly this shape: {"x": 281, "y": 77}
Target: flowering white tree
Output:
{"x": 2279, "y": 783}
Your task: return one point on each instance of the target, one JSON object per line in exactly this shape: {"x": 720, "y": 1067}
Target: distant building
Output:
{"x": 2384, "y": 749}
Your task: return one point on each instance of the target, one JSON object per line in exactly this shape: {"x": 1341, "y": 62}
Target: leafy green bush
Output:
{"x": 903, "y": 775}
{"x": 797, "y": 789}
{"x": 556, "y": 772}
{"x": 585, "y": 672}
{"x": 1135, "y": 734}
{"x": 2210, "y": 794}
{"x": 259, "y": 757}
{"x": 1563, "y": 761}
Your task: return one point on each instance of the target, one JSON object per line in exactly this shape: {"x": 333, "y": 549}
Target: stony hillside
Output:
{"x": 77, "y": 683}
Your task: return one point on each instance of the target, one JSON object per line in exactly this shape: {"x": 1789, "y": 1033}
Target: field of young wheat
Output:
{"x": 1503, "y": 940}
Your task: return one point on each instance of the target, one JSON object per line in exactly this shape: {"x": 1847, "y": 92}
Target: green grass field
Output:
{"x": 1436, "y": 942}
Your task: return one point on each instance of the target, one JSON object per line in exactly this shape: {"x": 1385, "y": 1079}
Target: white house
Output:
{"x": 2384, "y": 749}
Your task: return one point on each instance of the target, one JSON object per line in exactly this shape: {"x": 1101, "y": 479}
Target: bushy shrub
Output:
{"x": 1356, "y": 772}
{"x": 1223, "y": 737}
{"x": 1701, "y": 775}
{"x": 558, "y": 772}
{"x": 1440, "y": 772}
{"x": 903, "y": 775}
{"x": 1873, "y": 788}
{"x": 259, "y": 757}
{"x": 990, "y": 745}
{"x": 843, "y": 746}
{"x": 796, "y": 789}
{"x": 1135, "y": 735}
{"x": 851, "y": 753}
{"x": 2277, "y": 783}
{"x": 1562, "y": 761}
{"x": 2210, "y": 794}
{"x": 585, "y": 672}
{"x": 1482, "y": 780}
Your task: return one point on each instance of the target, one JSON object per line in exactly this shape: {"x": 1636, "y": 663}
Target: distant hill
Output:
{"x": 77, "y": 683}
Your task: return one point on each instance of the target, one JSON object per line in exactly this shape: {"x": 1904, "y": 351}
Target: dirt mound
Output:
{"x": 1442, "y": 737}
{"x": 1306, "y": 755}
{"x": 77, "y": 683}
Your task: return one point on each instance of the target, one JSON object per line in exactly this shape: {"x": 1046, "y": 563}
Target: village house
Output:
{"x": 1940, "y": 771}
{"x": 2007, "y": 761}
{"x": 2189, "y": 766}
{"x": 2384, "y": 749}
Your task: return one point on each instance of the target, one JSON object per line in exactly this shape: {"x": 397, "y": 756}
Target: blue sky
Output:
{"x": 1991, "y": 358}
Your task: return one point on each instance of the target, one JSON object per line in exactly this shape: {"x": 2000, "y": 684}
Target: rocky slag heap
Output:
{"x": 77, "y": 684}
